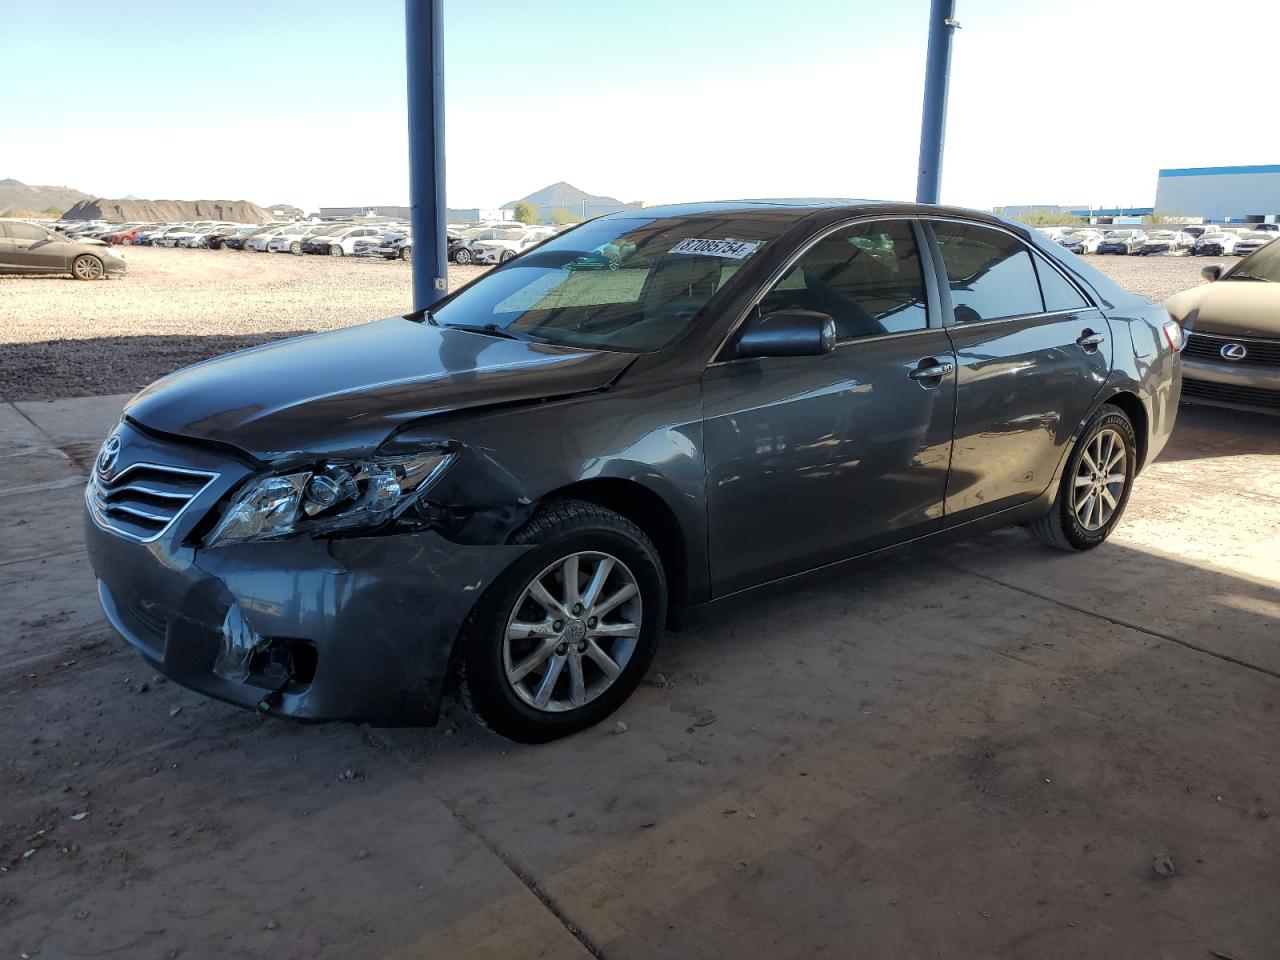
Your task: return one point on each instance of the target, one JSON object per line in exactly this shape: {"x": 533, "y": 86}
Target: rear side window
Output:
{"x": 990, "y": 273}
{"x": 1059, "y": 294}
{"x": 866, "y": 277}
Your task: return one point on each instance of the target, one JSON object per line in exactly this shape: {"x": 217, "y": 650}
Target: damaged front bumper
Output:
{"x": 355, "y": 629}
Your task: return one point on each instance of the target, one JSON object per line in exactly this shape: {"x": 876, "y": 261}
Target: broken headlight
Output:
{"x": 332, "y": 498}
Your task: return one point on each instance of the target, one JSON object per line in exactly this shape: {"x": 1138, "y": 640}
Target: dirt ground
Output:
{"x": 63, "y": 338}
{"x": 975, "y": 752}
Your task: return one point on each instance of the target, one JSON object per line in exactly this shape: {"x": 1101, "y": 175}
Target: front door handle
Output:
{"x": 1090, "y": 340}
{"x": 931, "y": 369}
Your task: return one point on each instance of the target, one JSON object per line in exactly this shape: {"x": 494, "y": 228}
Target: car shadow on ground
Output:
{"x": 1206, "y": 431}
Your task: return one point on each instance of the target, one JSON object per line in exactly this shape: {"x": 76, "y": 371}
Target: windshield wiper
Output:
{"x": 1247, "y": 276}
{"x": 493, "y": 330}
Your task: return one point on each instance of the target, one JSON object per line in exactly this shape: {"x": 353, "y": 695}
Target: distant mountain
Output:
{"x": 167, "y": 211}
{"x": 18, "y": 197}
{"x": 565, "y": 195}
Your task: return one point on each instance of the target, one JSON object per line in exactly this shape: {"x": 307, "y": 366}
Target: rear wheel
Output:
{"x": 87, "y": 267}
{"x": 126, "y": 241}
{"x": 565, "y": 635}
{"x": 1095, "y": 485}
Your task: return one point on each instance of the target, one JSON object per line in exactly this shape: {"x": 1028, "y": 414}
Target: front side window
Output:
{"x": 989, "y": 273}
{"x": 1262, "y": 264}
{"x": 866, "y": 277}
{"x": 631, "y": 284}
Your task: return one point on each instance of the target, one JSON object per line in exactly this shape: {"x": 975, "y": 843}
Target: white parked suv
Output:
{"x": 339, "y": 242}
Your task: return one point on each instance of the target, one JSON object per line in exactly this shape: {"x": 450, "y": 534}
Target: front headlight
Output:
{"x": 332, "y": 498}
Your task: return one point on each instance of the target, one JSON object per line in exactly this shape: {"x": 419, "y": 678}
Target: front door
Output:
{"x": 814, "y": 459}
{"x": 1032, "y": 354}
{"x": 36, "y": 249}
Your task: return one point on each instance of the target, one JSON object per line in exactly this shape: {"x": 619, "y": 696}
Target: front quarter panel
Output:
{"x": 512, "y": 458}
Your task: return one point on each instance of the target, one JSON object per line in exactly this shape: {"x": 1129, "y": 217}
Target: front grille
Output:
{"x": 1229, "y": 393}
{"x": 144, "y": 499}
{"x": 1262, "y": 353}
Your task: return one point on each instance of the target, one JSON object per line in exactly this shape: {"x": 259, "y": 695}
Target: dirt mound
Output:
{"x": 167, "y": 211}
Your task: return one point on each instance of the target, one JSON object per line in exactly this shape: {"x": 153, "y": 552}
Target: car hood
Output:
{"x": 342, "y": 392}
{"x": 1241, "y": 308}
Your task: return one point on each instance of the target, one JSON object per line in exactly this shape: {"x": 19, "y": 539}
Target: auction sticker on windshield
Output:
{"x": 730, "y": 249}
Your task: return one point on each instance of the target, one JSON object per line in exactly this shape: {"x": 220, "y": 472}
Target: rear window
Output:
{"x": 989, "y": 273}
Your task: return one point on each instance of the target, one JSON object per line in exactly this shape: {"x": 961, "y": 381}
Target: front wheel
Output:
{"x": 462, "y": 257}
{"x": 507, "y": 255}
{"x": 335, "y": 250}
{"x": 406, "y": 253}
{"x": 295, "y": 247}
{"x": 87, "y": 267}
{"x": 1095, "y": 485}
{"x": 566, "y": 634}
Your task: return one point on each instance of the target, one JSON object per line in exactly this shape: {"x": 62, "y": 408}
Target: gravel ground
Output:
{"x": 63, "y": 338}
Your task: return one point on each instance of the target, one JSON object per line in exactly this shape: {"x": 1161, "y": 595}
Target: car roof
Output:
{"x": 799, "y": 209}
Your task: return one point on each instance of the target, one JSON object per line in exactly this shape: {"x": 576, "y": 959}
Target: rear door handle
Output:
{"x": 931, "y": 369}
{"x": 1090, "y": 339}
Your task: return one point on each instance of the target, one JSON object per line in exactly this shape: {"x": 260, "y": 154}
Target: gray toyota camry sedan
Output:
{"x": 515, "y": 492}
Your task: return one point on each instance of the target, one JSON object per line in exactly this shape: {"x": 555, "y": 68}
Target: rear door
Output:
{"x": 814, "y": 459}
{"x": 1032, "y": 354}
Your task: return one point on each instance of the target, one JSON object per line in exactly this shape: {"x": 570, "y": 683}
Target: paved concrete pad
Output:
{"x": 972, "y": 752}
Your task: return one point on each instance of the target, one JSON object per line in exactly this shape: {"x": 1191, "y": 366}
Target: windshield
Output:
{"x": 1262, "y": 264}
{"x": 616, "y": 284}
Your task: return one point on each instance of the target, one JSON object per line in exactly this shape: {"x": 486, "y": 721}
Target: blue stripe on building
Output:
{"x": 1220, "y": 171}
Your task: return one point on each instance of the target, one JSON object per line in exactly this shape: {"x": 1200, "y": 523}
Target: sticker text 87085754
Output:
{"x": 730, "y": 249}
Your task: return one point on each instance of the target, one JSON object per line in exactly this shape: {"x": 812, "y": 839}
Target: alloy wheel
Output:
{"x": 1101, "y": 474}
{"x": 572, "y": 632}
{"x": 87, "y": 268}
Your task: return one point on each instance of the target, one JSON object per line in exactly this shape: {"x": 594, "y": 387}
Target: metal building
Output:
{"x": 1248, "y": 194}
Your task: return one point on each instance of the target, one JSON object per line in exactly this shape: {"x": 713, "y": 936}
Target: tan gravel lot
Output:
{"x": 64, "y": 338}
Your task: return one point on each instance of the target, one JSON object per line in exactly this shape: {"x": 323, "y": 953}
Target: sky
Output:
{"x": 1051, "y": 101}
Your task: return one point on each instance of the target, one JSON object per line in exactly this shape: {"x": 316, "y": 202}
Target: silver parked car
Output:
{"x": 30, "y": 248}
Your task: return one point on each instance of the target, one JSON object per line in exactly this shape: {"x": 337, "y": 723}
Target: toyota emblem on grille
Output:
{"x": 1233, "y": 351}
{"x": 107, "y": 456}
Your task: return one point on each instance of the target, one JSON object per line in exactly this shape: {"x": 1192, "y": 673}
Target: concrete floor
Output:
{"x": 974, "y": 752}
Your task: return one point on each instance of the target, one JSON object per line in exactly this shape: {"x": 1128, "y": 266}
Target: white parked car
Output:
{"x": 167, "y": 236}
{"x": 1216, "y": 242}
{"x": 340, "y": 242}
{"x": 289, "y": 240}
{"x": 1254, "y": 239}
{"x": 1081, "y": 241}
{"x": 504, "y": 248}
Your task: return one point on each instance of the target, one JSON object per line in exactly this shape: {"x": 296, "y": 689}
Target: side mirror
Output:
{"x": 1212, "y": 272}
{"x": 788, "y": 333}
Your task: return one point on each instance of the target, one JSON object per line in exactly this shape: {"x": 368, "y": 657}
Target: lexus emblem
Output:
{"x": 1233, "y": 351}
{"x": 108, "y": 455}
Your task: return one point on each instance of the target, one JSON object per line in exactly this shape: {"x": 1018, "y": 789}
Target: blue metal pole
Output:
{"x": 424, "y": 54}
{"x": 937, "y": 74}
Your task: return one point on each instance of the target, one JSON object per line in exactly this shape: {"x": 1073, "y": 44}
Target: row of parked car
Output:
{"x": 487, "y": 243}
{"x": 1211, "y": 240}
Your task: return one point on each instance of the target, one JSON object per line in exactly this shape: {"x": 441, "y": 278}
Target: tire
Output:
{"x": 126, "y": 242}
{"x": 335, "y": 250}
{"x": 487, "y": 657}
{"x": 507, "y": 255}
{"x": 295, "y": 247}
{"x": 406, "y": 254}
{"x": 1063, "y": 526}
{"x": 462, "y": 257}
{"x": 87, "y": 267}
